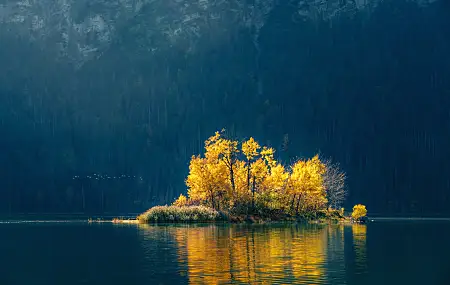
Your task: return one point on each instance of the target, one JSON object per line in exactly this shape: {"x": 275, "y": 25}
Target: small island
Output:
{"x": 243, "y": 182}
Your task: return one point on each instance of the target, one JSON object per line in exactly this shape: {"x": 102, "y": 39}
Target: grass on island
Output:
{"x": 202, "y": 214}
{"x": 161, "y": 214}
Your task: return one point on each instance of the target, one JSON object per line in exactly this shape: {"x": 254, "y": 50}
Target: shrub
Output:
{"x": 181, "y": 201}
{"x": 179, "y": 214}
{"x": 359, "y": 211}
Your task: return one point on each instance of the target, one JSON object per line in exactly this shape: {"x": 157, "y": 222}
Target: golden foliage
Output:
{"x": 250, "y": 149}
{"x": 273, "y": 188}
{"x": 233, "y": 175}
{"x": 267, "y": 154}
{"x": 359, "y": 211}
{"x": 181, "y": 201}
{"x": 207, "y": 180}
{"x": 241, "y": 182}
{"x": 306, "y": 185}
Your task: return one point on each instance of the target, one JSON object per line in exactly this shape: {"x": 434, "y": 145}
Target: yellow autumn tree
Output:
{"x": 305, "y": 185}
{"x": 199, "y": 181}
{"x": 180, "y": 201}
{"x": 250, "y": 150}
{"x": 259, "y": 173}
{"x": 273, "y": 188}
{"x": 207, "y": 181}
{"x": 359, "y": 212}
{"x": 221, "y": 151}
{"x": 242, "y": 195}
{"x": 245, "y": 176}
{"x": 267, "y": 153}
{"x": 266, "y": 175}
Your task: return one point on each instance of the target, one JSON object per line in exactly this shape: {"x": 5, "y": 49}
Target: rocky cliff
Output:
{"x": 81, "y": 30}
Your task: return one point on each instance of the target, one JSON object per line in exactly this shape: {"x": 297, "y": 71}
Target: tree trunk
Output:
{"x": 212, "y": 199}
{"x": 253, "y": 194}
{"x": 248, "y": 175}
{"x": 298, "y": 204}
{"x": 292, "y": 202}
{"x": 233, "y": 188}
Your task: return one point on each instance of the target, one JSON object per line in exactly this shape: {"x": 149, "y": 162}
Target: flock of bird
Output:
{"x": 96, "y": 176}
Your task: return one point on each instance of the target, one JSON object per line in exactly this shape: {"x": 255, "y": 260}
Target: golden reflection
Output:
{"x": 250, "y": 255}
{"x": 240, "y": 254}
{"x": 359, "y": 242}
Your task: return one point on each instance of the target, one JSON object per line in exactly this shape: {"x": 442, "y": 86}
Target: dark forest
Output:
{"x": 370, "y": 90}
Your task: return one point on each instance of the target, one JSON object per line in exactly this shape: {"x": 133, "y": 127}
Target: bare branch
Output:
{"x": 334, "y": 182}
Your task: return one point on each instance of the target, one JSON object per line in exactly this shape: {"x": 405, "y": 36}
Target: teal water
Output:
{"x": 75, "y": 252}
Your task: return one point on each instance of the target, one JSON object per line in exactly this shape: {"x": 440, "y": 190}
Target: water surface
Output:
{"x": 76, "y": 252}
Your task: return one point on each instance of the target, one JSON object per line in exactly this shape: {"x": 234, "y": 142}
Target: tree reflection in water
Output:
{"x": 359, "y": 233}
{"x": 259, "y": 254}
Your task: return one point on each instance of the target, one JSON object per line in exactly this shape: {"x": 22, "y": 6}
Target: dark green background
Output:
{"x": 371, "y": 91}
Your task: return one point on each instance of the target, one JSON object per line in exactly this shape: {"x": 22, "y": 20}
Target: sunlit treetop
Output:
{"x": 250, "y": 149}
{"x": 267, "y": 153}
{"x": 359, "y": 211}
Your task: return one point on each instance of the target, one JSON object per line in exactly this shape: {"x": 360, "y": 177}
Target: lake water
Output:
{"x": 66, "y": 253}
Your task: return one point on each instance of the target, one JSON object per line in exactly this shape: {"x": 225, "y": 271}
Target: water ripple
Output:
{"x": 257, "y": 254}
